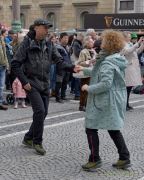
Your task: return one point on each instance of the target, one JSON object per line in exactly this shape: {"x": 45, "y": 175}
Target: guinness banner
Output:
{"x": 114, "y": 21}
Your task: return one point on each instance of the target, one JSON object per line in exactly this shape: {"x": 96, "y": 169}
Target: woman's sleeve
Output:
{"x": 106, "y": 80}
{"x": 128, "y": 50}
{"x": 87, "y": 71}
{"x": 140, "y": 49}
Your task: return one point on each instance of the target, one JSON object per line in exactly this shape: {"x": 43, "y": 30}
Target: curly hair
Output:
{"x": 112, "y": 41}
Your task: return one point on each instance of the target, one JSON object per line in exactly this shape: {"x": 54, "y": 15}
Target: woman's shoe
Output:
{"x": 16, "y": 105}
{"x": 92, "y": 166}
{"x": 82, "y": 108}
{"x": 122, "y": 164}
{"x": 129, "y": 108}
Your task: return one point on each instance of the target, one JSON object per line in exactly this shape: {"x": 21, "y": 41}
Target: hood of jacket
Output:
{"x": 117, "y": 60}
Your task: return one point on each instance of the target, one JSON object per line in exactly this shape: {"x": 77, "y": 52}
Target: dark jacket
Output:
{"x": 36, "y": 59}
{"x": 77, "y": 47}
{"x": 64, "y": 53}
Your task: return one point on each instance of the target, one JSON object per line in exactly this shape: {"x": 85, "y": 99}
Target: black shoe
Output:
{"x": 64, "y": 98}
{"x": 3, "y": 107}
{"x": 122, "y": 164}
{"x": 59, "y": 100}
{"x": 82, "y": 108}
{"x": 77, "y": 98}
{"x": 129, "y": 108}
{"x": 5, "y": 103}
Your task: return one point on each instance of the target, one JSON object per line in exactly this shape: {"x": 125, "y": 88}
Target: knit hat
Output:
{"x": 134, "y": 35}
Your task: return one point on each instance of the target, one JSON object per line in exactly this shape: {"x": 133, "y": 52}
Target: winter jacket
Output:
{"x": 3, "y": 56}
{"x": 106, "y": 103}
{"x": 76, "y": 49}
{"x": 64, "y": 53}
{"x": 36, "y": 59}
{"x": 132, "y": 72}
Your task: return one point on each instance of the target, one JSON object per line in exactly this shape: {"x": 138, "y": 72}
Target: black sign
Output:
{"x": 114, "y": 21}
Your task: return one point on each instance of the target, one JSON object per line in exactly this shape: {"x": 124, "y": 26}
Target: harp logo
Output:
{"x": 108, "y": 21}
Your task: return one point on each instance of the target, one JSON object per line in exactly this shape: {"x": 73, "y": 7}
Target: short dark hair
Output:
{"x": 3, "y": 31}
{"x": 11, "y": 32}
{"x": 63, "y": 34}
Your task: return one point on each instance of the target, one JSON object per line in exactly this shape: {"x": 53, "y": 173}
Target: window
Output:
{"x": 22, "y": 18}
{"x": 52, "y": 18}
{"x": 82, "y": 16}
{"x": 127, "y": 5}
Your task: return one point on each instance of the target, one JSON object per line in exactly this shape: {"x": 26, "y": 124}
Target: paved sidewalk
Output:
{"x": 67, "y": 150}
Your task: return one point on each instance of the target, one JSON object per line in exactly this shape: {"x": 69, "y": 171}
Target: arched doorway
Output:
{"x": 82, "y": 16}
{"x": 52, "y": 18}
{"x": 22, "y": 18}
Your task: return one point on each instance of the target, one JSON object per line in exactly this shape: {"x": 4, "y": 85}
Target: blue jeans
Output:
{"x": 53, "y": 77}
{"x": 2, "y": 82}
{"x": 77, "y": 87}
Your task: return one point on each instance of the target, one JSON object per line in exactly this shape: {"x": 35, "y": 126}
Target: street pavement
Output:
{"x": 66, "y": 145}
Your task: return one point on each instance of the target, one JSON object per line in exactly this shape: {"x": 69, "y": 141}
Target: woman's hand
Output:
{"x": 85, "y": 87}
{"x": 78, "y": 68}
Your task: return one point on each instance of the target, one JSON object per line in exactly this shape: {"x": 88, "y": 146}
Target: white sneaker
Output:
{"x": 16, "y": 106}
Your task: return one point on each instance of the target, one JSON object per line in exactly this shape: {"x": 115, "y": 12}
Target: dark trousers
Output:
{"x": 129, "y": 88}
{"x": 39, "y": 103}
{"x": 116, "y": 136}
{"x": 62, "y": 85}
{"x": 83, "y": 94}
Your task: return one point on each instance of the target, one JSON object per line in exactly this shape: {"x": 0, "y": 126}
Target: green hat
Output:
{"x": 134, "y": 35}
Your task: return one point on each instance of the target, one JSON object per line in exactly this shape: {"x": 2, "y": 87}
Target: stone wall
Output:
{"x": 68, "y": 13}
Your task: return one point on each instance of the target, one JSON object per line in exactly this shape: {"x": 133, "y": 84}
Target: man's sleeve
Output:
{"x": 58, "y": 60}
{"x": 76, "y": 50}
{"x": 18, "y": 60}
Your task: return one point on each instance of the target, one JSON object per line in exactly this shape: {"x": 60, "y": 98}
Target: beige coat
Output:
{"x": 132, "y": 72}
{"x": 83, "y": 57}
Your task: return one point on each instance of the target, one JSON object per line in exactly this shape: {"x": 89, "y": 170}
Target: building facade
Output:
{"x": 64, "y": 14}
{"x": 129, "y": 6}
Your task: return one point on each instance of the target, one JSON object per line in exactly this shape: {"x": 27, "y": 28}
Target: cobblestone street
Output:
{"x": 66, "y": 144}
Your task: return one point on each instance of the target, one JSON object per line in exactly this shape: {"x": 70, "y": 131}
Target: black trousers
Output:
{"x": 62, "y": 85}
{"x": 39, "y": 103}
{"x": 129, "y": 88}
{"x": 116, "y": 136}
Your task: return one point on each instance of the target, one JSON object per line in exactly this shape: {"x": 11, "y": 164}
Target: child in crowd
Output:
{"x": 19, "y": 93}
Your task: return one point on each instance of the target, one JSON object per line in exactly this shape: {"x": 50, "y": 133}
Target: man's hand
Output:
{"x": 85, "y": 87}
{"x": 27, "y": 87}
{"x": 78, "y": 68}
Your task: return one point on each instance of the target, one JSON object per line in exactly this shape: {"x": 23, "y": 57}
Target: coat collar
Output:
{"x": 36, "y": 45}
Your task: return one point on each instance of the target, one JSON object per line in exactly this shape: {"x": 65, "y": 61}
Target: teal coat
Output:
{"x": 106, "y": 103}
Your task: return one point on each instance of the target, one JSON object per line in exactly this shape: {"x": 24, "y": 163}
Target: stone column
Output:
{"x": 16, "y": 24}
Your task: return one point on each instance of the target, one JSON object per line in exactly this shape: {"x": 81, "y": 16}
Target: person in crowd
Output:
{"x": 53, "y": 39}
{"x": 9, "y": 54}
{"x": 36, "y": 54}
{"x": 62, "y": 77}
{"x": 19, "y": 93}
{"x": 77, "y": 47}
{"x": 92, "y": 33}
{"x": 107, "y": 100}
{"x": 97, "y": 44}
{"x": 3, "y": 67}
{"x": 134, "y": 38}
{"x": 9, "y": 38}
{"x": 86, "y": 58}
{"x": 132, "y": 72}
